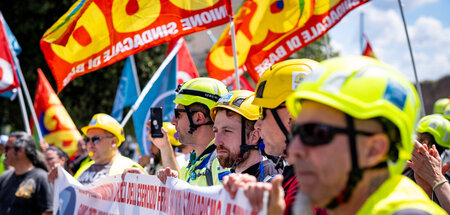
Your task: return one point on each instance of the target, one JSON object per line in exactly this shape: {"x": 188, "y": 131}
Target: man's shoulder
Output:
{"x": 6, "y": 175}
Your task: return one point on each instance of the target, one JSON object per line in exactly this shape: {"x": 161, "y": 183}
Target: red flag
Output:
{"x": 263, "y": 40}
{"x": 56, "y": 125}
{"x": 368, "y": 51}
{"x": 186, "y": 69}
{"x": 243, "y": 83}
{"x": 96, "y": 33}
{"x": 8, "y": 75}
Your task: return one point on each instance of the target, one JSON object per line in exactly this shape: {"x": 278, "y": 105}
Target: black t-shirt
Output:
{"x": 268, "y": 167}
{"x": 30, "y": 193}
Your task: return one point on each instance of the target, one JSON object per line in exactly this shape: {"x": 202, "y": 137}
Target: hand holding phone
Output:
{"x": 156, "y": 122}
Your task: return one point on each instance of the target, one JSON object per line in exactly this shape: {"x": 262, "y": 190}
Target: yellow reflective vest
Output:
{"x": 205, "y": 170}
{"x": 2, "y": 164}
{"x": 399, "y": 193}
{"x": 119, "y": 164}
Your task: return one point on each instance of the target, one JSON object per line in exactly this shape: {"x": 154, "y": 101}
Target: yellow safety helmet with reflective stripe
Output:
{"x": 239, "y": 101}
{"x": 438, "y": 127}
{"x": 206, "y": 91}
{"x": 364, "y": 88}
{"x": 280, "y": 80}
{"x": 107, "y": 123}
{"x": 440, "y": 105}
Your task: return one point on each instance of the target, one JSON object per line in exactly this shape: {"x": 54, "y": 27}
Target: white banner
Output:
{"x": 143, "y": 194}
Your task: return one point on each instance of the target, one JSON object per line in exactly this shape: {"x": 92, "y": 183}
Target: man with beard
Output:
{"x": 274, "y": 86}
{"x": 352, "y": 136}
{"x": 237, "y": 140}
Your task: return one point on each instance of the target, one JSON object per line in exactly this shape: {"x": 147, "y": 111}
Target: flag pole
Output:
{"x": 233, "y": 42}
{"x": 327, "y": 47}
{"x": 419, "y": 89}
{"x": 26, "y": 121}
{"x": 28, "y": 97}
{"x": 149, "y": 85}
{"x": 133, "y": 69}
{"x": 361, "y": 32}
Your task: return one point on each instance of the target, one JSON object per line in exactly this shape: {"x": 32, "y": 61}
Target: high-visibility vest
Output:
{"x": 2, "y": 163}
{"x": 119, "y": 164}
{"x": 399, "y": 193}
{"x": 205, "y": 171}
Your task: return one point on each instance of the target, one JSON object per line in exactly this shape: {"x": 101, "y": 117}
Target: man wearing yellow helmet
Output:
{"x": 274, "y": 86}
{"x": 433, "y": 133}
{"x": 351, "y": 138}
{"x": 193, "y": 123}
{"x": 236, "y": 139}
{"x": 440, "y": 105}
{"x": 103, "y": 137}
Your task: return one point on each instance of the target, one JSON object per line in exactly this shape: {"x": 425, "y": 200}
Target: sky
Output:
{"x": 428, "y": 24}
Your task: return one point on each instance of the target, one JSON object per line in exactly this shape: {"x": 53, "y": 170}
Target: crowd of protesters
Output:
{"x": 342, "y": 136}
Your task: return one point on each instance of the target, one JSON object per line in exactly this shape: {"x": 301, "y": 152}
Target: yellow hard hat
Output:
{"x": 171, "y": 132}
{"x": 438, "y": 127}
{"x": 107, "y": 123}
{"x": 239, "y": 101}
{"x": 364, "y": 88}
{"x": 280, "y": 80}
{"x": 440, "y": 105}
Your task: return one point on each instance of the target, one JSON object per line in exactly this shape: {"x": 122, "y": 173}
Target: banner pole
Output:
{"x": 26, "y": 121}
{"x": 419, "y": 88}
{"x": 133, "y": 69}
{"x": 233, "y": 42}
{"x": 149, "y": 85}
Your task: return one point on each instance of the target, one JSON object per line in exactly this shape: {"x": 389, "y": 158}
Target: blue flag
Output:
{"x": 127, "y": 92}
{"x": 162, "y": 95}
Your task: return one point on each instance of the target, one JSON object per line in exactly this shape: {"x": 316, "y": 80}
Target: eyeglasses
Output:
{"x": 315, "y": 134}
{"x": 177, "y": 112}
{"x": 262, "y": 111}
{"x": 95, "y": 139}
{"x": 8, "y": 148}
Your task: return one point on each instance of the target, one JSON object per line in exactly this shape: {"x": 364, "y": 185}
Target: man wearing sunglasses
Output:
{"x": 352, "y": 135}
{"x": 104, "y": 135}
{"x": 24, "y": 189}
{"x": 193, "y": 123}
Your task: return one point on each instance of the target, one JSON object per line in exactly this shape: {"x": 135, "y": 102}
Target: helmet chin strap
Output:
{"x": 243, "y": 148}
{"x": 283, "y": 129}
{"x": 193, "y": 127}
{"x": 356, "y": 173}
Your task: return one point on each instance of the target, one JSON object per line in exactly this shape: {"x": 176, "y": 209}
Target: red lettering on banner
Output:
{"x": 82, "y": 210}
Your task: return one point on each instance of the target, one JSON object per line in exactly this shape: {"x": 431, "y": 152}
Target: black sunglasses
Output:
{"x": 315, "y": 134}
{"x": 95, "y": 139}
{"x": 7, "y": 148}
{"x": 178, "y": 111}
{"x": 262, "y": 111}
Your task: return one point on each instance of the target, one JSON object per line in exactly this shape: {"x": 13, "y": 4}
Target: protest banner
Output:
{"x": 143, "y": 194}
{"x": 264, "y": 38}
{"x": 97, "y": 33}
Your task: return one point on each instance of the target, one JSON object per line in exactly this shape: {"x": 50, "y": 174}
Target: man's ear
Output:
{"x": 254, "y": 137}
{"x": 114, "y": 142}
{"x": 376, "y": 149}
{"x": 199, "y": 117}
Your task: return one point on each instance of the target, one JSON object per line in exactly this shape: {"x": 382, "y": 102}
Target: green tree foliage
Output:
{"x": 316, "y": 50}
{"x": 86, "y": 95}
